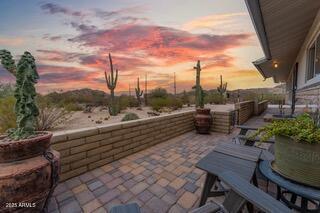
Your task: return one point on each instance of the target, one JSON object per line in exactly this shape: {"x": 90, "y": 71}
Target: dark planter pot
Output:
{"x": 297, "y": 161}
{"x": 203, "y": 121}
{"x": 29, "y": 169}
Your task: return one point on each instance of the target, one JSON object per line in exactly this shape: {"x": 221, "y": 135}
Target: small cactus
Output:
{"x": 139, "y": 93}
{"x": 222, "y": 88}
{"x": 26, "y": 109}
{"x": 112, "y": 83}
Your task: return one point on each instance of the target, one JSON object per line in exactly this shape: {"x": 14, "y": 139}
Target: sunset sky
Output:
{"x": 70, "y": 40}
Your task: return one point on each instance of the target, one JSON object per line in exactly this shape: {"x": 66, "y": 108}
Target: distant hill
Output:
{"x": 81, "y": 96}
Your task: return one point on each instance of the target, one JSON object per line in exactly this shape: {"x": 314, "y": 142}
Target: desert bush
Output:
{"x": 158, "y": 93}
{"x": 50, "y": 115}
{"x": 71, "y": 107}
{"x": 169, "y": 102}
{"x": 213, "y": 98}
{"x": 130, "y": 116}
{"x": 7, "y": 115}
{"x": 127, "y": 101}
{"x": 6, "y": 90}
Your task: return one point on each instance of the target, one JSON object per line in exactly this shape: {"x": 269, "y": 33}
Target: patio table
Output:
{"x": 288, "y": 187}
{"x": 239, "y": 159}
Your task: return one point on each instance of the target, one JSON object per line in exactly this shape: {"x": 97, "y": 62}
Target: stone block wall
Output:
{"x": 86, "y": 149}
{"x": 245, "y": 111}
{"x": 223, "y": 122}
{"x": 308, "y": 96}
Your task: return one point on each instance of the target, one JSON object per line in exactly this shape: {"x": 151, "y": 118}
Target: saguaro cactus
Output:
{"x": 174, "y": 84}
{"x": 146, "y": 90}
{"x": 199, "y": 91}
{"x": 25, "y": 108}
{"x": 222, "y": 88}
{"x": 139, "y": 93}
{"x": 112, "y": 83}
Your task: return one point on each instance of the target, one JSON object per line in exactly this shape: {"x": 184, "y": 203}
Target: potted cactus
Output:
{"x": 297, "y": 147}
{"x": 202, "y": 118}
{"x": 29, "y": 169}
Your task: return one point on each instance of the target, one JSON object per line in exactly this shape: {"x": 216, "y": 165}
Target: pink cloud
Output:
{"x": 169, "y": 44}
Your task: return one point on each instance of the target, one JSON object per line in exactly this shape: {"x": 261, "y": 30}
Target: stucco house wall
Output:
{"x": 308, "y": 91}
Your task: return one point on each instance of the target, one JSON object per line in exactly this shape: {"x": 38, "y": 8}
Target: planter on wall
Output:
{"x": 297, "y": 161}
{"x": 29, "y": 171}
{"x": 203, "y": 121}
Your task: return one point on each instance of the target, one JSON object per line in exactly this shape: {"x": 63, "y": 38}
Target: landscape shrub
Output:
{"x": 126, "y": 101}
{"x": 169, "y": 102}
{"x": 7, "y": 114}
{"x": 72, "y": 107}
{"x": 158, "y": 93}
{"x": 213, "y": 98}
{"x": 50, "y": 114}
{"x": 6, "y": 90}
{"x": 130, "y": 116}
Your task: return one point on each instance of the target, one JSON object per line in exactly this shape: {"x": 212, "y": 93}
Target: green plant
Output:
{"x": 50, "y": 115}
{"x": 130, "y": 116}
{"x": 198, "y": 88}
{"x": 222, "y": 89}
{"x": 7, "y": 115}
{"x": 159, "y": 93}
{"x": 71, "y": 107}
{"x": 303, "y": 129}
{"x": 26, "y": 109}
{"x": 139, "y": 93}
{"x": 112, "y": 83}
{"x": 6, "y": 90}
{"x": 169, "y": 102}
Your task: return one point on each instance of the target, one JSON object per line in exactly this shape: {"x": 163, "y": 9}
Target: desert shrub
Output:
{"x": 130, "y": 116}
{"x": 169, "y": 102}
{"x": 50, "y": 114}
{"x": 158, "y": 93}
{"x": 127, "y": 101}
{"x": 6, "y": 90}
{"x": 7, "y": 115}
{"x": 71, "y": 107}
{"x": 213, "y": 98}
{"x": 158, "y": 103}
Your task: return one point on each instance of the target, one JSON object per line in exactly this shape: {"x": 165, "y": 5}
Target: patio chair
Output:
{"x": 241, "y": 193}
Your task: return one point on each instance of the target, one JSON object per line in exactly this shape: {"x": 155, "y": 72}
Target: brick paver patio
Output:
{"x": 162, "y": 178}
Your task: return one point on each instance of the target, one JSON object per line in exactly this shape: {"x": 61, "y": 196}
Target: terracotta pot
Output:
{"x": 203, "y": 121}
{"x": 294, "y": 160}
{"x": 27, "y": 174}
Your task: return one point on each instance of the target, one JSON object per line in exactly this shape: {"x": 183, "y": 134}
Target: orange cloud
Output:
{"x": 6, "y": 41}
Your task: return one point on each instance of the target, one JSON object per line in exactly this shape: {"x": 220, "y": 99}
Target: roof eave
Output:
{"x": 258, "y": 23}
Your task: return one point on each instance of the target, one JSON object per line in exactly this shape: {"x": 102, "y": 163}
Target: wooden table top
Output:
{"x": 231, "y": 157}
{"x": 240, "y": 151}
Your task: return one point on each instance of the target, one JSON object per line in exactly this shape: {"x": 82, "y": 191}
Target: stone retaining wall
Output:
{"x": 245, "y": 110}
{"x": 86, "y": 149}
{"x": 223, "y": 121}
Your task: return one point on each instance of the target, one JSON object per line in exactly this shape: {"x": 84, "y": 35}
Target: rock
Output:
{"x": 106, "y": 118}
{"x": 153, "y": 113}
{"x": 99, "y": 122}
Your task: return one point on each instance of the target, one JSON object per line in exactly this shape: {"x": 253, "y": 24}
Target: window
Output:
{"x": 314, "y": 59}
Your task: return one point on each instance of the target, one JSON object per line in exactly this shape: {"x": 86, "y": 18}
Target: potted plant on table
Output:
{"x": 297, "y": 147}
{"x": 203, "y": 118}
{"x": 29, "y": 169}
